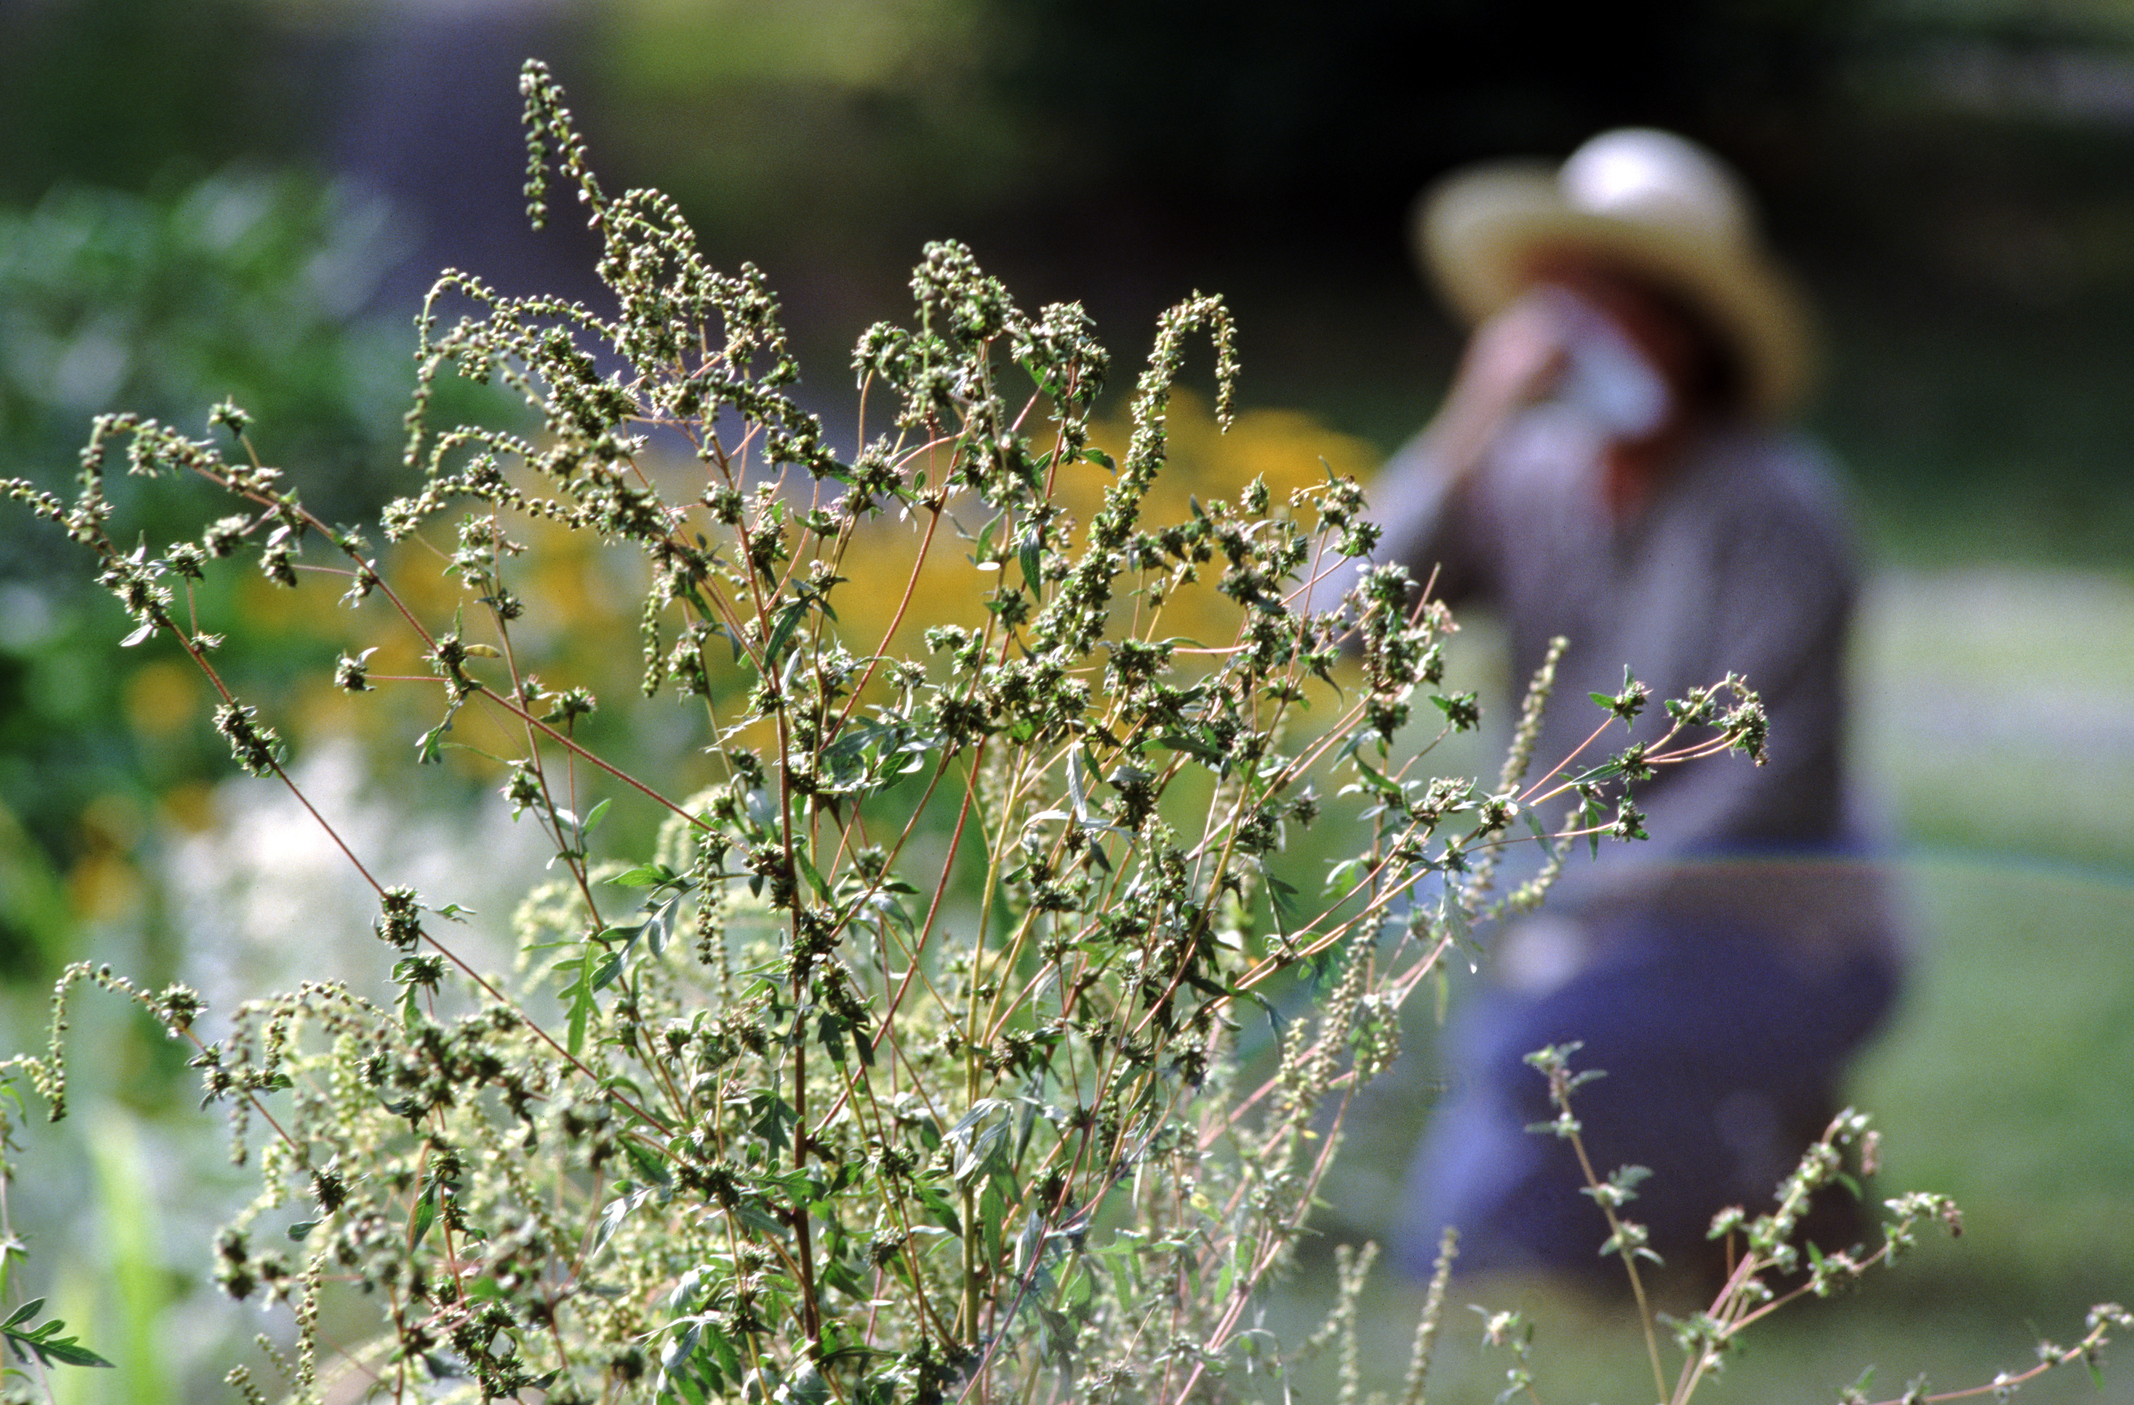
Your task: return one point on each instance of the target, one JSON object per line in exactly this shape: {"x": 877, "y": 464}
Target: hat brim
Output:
{"x": 1481, "y": 236}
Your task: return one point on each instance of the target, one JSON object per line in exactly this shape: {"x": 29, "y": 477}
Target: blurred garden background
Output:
{"x": 247, "y": 199}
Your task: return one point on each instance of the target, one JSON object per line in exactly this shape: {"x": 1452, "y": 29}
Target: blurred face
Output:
{"x": 1663, "y": 358}
{"x": 1665, "y": 336}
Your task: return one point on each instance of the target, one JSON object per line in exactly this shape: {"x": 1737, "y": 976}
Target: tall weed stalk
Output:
{"x": 905, "y": 1063}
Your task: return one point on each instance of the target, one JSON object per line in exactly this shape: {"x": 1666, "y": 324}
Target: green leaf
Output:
{"x": 806, "y": 1388}
{"x": 1343, "y": 877}
{"x": 648, "y": 1165}
{"x": 807, "y": 871}
{"x": 723, "y": 1352}
{"x": 580, "y": 994}
{"x": 1032, "y": 561}
{"x": 425, "y": 1216}
{"x": 1540, "y": 830}
{"x": 1283, "y": 898}
{"x": 70, "y": 1352}
{"x": 1377, "y": 781}
{"x": 612, "y": 1217}
{"x": 645, "y": 875}
{"x": 937, "y": 1205}
{"x": 756, "y": 1218}
{"x": 1198, "y": 742}
{"x": 782, "y": 632}
{"x": 1454, "y": 916}
{"x": 45, "y": 1343}
{"x": 830, "y": 1033}
{"x": 773, "y": 1115}
{"x": 659, "y": 927}
{"x": 1078, "y": 785}
{"x": 840, "y": 1276}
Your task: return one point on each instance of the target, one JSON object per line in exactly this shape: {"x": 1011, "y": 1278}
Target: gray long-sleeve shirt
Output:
{"x": 1742, "y": 561}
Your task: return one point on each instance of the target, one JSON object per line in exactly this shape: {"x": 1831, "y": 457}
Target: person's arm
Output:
{"x": 1510, "y": 362}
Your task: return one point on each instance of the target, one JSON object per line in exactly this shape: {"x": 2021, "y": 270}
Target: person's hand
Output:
{"x": 1512, "y": 360}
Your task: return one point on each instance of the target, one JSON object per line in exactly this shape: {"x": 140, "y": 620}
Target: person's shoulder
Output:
{"x": 1779, "y": 474}
{"x": 1775, "y": 496}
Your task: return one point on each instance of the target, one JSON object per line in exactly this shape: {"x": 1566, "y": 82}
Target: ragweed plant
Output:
{"x": 906, "y": 1062}
{"x": 1768, "y": 1265}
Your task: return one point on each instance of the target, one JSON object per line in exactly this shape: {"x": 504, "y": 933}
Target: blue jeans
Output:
{"x": 1722, "y": 1060}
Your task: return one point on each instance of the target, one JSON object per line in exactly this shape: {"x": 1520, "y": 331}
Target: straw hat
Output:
{"x": 1647, "y": 200}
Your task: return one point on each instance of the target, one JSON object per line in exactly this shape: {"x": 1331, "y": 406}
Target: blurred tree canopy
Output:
{"x": 1337, "y": 115}
{"x": 114, "y": 92}
{"x": 1255, "y": 120}
{"x": 237, "y": 286}
{"x": 844, "y": 120}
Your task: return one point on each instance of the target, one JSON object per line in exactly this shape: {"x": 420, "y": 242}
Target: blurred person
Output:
{"x": 1608, "y": 467}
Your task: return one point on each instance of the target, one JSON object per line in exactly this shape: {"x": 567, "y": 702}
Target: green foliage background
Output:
{"x": 1962, "y": 214}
